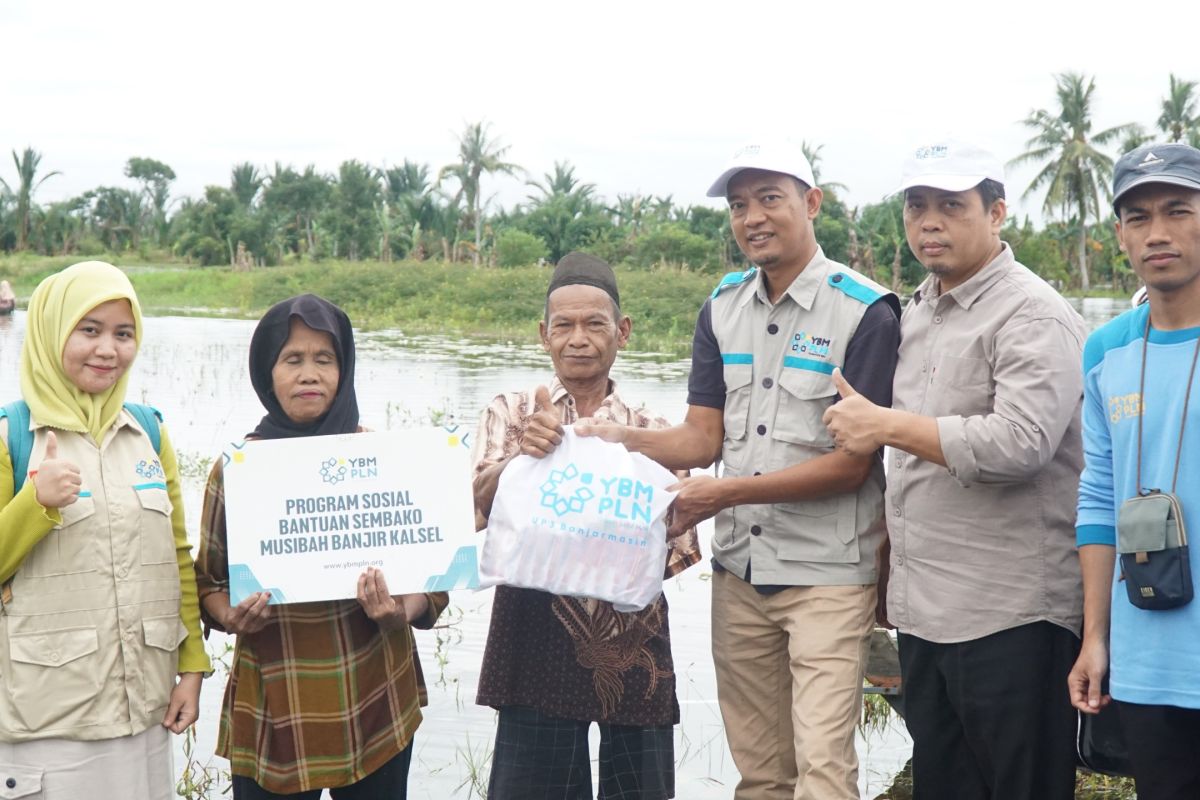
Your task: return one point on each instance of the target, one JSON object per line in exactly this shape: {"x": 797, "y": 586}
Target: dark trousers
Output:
{"x": 990, "y": 718}
{"x": 1164, "y": 748}
{"x": 389, "y": 782}
{"x": 539, "y": 757}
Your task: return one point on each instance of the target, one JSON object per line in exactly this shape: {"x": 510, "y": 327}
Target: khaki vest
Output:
{"x": 778, "y": 362}
{"x": 89, "y": 637}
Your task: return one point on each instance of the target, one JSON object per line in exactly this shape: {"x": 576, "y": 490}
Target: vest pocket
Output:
{"x": 820, "y": 531}
{"x": 20, "y": 783}
{"x": 737, "y": 412}
{"x": 158, "y": 539}
{"x": 69, "y": 548}
{"x": 804, "y": 397}
{"x": 55, "y": 678}
{"x": 162, "y": 635}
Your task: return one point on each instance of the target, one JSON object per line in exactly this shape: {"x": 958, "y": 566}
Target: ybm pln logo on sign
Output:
{"x": 335, "y": 470}
{"x": 569, "y": 491}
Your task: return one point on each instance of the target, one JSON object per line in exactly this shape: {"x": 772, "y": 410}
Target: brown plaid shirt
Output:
{"x": 565, "y": 656}
{"x": 321, "y": 697}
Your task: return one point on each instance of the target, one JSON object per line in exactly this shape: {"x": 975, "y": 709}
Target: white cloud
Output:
{"x": 639, "y": 96}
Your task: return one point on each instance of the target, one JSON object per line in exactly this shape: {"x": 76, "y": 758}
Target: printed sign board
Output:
{"x": 306, "y": 516}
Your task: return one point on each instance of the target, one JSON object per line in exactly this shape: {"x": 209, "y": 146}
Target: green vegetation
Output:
{"x": 416, "y": 297}
{"x": 382, "y": 234}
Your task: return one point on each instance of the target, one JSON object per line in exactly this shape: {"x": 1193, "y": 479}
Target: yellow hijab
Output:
{"x": 55, "y": 308}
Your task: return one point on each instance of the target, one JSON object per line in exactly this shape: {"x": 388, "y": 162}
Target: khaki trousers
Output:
{"x": 789, "y": 681}
{"x": 134, "y": 767}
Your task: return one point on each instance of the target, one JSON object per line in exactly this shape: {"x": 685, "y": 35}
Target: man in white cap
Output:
{"x": 798, "y": 522}
{"x": 985, "y": 461}
{"x": 1139, "y": 374}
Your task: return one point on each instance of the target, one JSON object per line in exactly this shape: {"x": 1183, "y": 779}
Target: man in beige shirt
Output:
{"x": 983, "y": 475}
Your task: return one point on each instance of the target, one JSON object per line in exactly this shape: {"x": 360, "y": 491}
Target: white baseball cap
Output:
{"x": 950, "y": 165}
{"x": 772, "y": 156}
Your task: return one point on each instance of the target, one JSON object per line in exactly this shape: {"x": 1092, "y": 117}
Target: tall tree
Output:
{"x": 813, "y": 153}
{"x": 299, "y": 197}
{"x": 1180, "y": 117}
{"x": 244, "y": 181}
{"x": 27, "y": 183}
{"x": 353, "y": 208}
{"x": 155, "y": 177}
{"x": 1134, "y": 137}
{"x": 561, "y": 183}
{"x": 478, "y": 154}
{"x": 1074, "y": 171}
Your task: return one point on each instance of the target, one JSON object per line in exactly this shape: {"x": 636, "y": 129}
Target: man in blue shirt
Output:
{"x": 1136, "y": 393}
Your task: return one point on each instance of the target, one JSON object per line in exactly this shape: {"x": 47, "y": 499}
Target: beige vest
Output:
{"x": 777, "y": 365}
{"x": 89, "y": 637}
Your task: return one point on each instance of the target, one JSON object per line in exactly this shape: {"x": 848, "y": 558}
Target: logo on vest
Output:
{"x": 150, "y": 469}
{"x": 811, "y": 345}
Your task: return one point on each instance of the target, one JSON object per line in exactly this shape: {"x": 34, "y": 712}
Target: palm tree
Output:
{"x": 244, "y": 181}
{"x": 27, "y": 166}
{"x": 1073, "y": 170}
{"x": 813, "y": 153}
{"x": 477, "y": 154}
{"x": 562, "y": 183}
{"x": 1134, "y": 137}
{"x": 1179, "y": 116}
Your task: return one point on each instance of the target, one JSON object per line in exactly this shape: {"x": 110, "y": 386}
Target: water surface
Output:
{"x": 194, "y": 370}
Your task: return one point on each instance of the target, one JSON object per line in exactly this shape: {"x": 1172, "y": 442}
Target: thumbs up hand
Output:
{"x": 842, "y": 385}
{"x": 56, "y": 480}
{"x": 854, "y": 421}
{"x": 544, "y": 432}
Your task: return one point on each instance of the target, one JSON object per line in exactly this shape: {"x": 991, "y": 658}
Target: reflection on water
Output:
{"x": 194, "y": 370}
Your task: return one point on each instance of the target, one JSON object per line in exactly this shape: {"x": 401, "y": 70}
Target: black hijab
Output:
{"x": 267, "y": 343}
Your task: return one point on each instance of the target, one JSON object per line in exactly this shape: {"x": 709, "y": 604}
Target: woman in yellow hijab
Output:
{"x": 100, "y": 645}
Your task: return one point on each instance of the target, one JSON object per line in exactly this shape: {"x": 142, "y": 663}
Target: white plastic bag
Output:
{"x": 588, "y": 520}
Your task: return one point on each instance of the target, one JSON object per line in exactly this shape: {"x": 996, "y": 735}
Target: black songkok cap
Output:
{"x": 580, "y": 268}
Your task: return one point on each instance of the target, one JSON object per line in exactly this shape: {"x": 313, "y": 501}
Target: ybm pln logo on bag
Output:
{"x": 587, "y": 520}
{"x": 568, "y": 491}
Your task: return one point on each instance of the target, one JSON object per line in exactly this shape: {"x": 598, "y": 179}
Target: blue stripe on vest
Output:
{"x": 811, "y": 364}
{"x": 737, "y": 358}
{"x": 852, "y": 288}
{"x": 734, "y": 279}
{"x": 85, "y": 494}
{"x": 139, "y": 487}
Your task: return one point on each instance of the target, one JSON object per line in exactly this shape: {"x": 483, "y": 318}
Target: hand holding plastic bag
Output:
{"x": 587, "y": 520}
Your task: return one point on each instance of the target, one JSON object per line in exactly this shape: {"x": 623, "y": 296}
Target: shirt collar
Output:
{"x": 967, "y": 292}
{"x": 803, "y": 290}
{"x": 559, "y": 395}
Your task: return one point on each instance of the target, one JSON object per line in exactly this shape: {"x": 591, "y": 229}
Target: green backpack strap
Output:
{"x": 149, "y": 418}
{"x": 20, "y": 438}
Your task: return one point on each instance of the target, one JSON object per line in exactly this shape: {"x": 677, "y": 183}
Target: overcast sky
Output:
{"x": 642, "y": 97}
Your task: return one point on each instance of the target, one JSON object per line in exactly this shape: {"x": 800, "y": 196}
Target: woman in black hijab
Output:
{"x": 320, "y": 695}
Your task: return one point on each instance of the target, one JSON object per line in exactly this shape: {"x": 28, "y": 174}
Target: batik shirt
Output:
{"x": 569, "y": 657}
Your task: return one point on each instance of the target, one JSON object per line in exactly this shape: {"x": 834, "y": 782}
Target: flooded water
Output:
{"x": 194, "y": 371}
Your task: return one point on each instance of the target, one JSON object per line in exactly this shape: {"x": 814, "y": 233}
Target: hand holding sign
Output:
{"x": 545, "y": 429}
{"x": 390, "y": 612}
{"x": 249, "y": 616}
{"x": 853, "y": 421}
{"x": 56, "y": 480}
